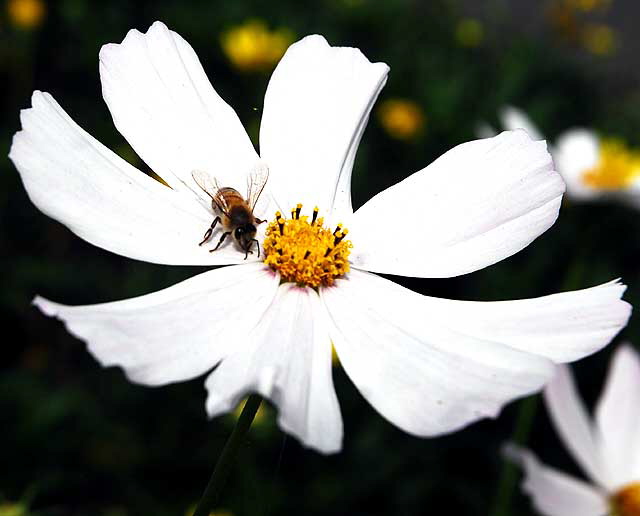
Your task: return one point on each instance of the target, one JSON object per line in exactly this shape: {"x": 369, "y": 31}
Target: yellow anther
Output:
{"x": 304, "y": 252}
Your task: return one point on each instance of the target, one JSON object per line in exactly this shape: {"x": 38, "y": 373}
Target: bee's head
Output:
{"x": 245, "y": 235}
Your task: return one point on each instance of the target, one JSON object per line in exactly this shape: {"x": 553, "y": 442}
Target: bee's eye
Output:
{"x": 239, "y": 232}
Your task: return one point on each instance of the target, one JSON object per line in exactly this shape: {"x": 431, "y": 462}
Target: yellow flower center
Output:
{"x": 617, "y": 167}
{"x": 305, "y": 252}
{"x": 626, "y": 502}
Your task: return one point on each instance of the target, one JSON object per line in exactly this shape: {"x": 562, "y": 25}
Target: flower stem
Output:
{"x": 223, "y": 467}
{"x": 508, "y": 476}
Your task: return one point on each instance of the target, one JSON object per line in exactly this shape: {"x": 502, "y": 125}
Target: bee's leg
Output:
{"x": 224, "y": 235}
{"x": 248, "y": 249}
{"x": 207, "y": 235}
{"x": 259, "y": 221}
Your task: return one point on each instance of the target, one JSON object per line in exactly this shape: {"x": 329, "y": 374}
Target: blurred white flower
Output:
{"x": 428, "y": 365}
{"x": 592, "y": 167}
{"x": 607, "y": 447}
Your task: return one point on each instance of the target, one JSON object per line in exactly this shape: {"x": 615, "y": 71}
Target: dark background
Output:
{"x": 77, "y": 439}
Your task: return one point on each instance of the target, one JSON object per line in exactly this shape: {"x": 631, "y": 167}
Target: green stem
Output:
{"x": 508, "y": 475}
{"x": 223, "y": 467}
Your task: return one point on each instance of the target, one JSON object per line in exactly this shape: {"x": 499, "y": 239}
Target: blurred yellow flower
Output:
{"x": 251, "y": 46}
{"x": 588, "y": 5}
{"x": 26, "y": 14}
{"x": 599, "y": 39}
{"x": 13, "y": 509}
{"x": 401, "y": 118}
{"x": 469, "y": 32}
{"x": 617, "y": 168}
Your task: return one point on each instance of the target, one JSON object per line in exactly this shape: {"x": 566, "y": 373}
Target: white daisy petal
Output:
{"x": 576, "y": 151}
{"x": 164, "y": 105}
{"x": 618, "y": 418}
{"x": 476, "y": 205}
{"x": 287, "y": 360}
{"x": 76, "y": 180}
{"x": 572, "y": 423}
{"x": 555, "y": 493}
{"x": 424, "y": 375}
{"x": 513, "y": 118}
{"x": 315, "y": 111}
{"x": 563, "y": 327}
{"x": 177, "y": 333}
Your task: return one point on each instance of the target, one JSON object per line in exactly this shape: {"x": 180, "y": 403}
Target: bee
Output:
{"x": 232, "y": 210}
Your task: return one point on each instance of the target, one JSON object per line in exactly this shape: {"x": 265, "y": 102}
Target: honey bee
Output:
{"x": 232, "y": 210}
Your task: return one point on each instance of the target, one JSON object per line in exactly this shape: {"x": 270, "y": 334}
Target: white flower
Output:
{"x": 592, "y": 167}
{"x": 607, "y": 448}
{"x": 428, "y": 365}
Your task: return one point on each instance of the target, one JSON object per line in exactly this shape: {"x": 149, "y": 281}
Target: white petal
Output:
{"x": 563, "y": 327}
{"x": 555, "y": 493}
{"x": 177, "y": 333}
{"x": 164, "y": 105}
{"x": 577, "y": 151}
{"x": 477, "y": 204}
{"x": 484, "y": 130}
{"x": 315, "y": 110}
{"x": 572, "y": 423}
{"x": 424, "y": 375}
{"x": 513, "y": 118}
{"x": 287, "y": 359}
{"x": 76, "y": 180}
{"x": 618, "y": 417}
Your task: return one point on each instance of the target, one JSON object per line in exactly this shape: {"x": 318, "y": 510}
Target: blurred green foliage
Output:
{"x": 77, "y": 439}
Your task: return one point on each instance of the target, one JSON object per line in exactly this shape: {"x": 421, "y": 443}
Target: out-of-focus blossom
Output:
{"x": 592, "y": 167}
{"x": 26, "y": 14}
{"x": 469, "y": 32}
{"x": 574, "y": 23}
{"x": 401, "y": 118}
{"x": 607, "y": 446}
{"x": 599, "y": 39}
{"x": 587, "y": 5}
{"x": 266, "y": 322}
{"x": 253, "y": 47}
{"x": 13, "y": 509}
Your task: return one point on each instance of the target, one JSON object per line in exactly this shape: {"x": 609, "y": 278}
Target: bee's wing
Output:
{"x": 208, "y": 184}
{"x": 255, "y": 184}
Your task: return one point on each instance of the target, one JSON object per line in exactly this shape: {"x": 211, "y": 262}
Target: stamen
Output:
{"x": 304, "y": 252}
